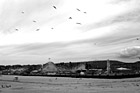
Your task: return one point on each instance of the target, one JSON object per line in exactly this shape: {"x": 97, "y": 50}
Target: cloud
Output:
{"x": 113, "y": 27}
{"x": 131, "y": 16}
{"x": 130, "y": 52}
{"x": 58, "y": 51}
{"x": 11, "y": 15}
{"x": 65, "y": 51}
{"x": 119, "y": 14}
{"x": 120, "y": 1}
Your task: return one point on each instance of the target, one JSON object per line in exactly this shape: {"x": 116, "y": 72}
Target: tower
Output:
{"x": 108, "y": 67}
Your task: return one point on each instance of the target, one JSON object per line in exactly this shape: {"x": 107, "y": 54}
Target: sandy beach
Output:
{"x": 36, "y": 84}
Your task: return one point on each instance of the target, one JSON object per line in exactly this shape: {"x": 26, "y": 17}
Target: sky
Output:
{"x": 31, "y": 31}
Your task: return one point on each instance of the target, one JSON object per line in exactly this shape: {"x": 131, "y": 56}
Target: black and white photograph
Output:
{"x": 69, "y": 46}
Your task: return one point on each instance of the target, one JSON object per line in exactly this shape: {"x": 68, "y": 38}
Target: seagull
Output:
{"x": 78, "y": 9}
{"x": 16, "y": 29}
{"x": 78, "y": 23}
{"x": 34, "y": 21}
{"x": 85, "y": 12}
{"x": 70, "y": 17}
{"x": 137, "y": 38}
{"x": 54, "y": 7}
{"x": 37, "y": 29}
{"x": 22, "y": 12}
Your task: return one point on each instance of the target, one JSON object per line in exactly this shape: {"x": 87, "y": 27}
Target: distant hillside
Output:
{"x": 71, "y": 66}
{"x": 100, "y": 64}
{"x": 138, "y": 62}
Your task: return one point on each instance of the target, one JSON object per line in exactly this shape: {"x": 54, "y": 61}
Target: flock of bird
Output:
{"x": 16, "y": 29}
{"x": 78, "y": 23}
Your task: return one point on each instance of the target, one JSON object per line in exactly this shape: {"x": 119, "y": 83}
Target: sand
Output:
{"x": 36, "y": 84}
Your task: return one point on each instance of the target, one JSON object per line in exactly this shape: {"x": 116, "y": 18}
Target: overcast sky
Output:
{"x": 31, "y": 31}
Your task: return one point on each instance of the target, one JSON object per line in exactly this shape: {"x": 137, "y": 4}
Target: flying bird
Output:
{"x": 37, "y": 29}
{"x": 52, "y": 28}
{"x": 78, "y": 23}
{"x": 85, "y": 12}
{"x": 78, "y": 9}
{"x": 16, "y": 29}
{"x": 54, "y": 7}
{"x": 34, "y": 21}
{"x": 22, "y": 12}
{"x": 137, "y": 38}
{"x": 70, "y": 17}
